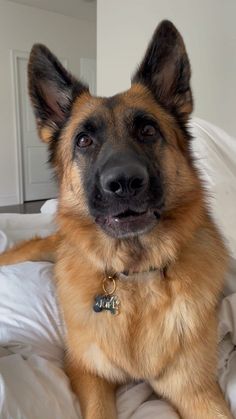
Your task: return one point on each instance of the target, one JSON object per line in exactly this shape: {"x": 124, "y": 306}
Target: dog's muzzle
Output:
{"x": 130, "y": 200}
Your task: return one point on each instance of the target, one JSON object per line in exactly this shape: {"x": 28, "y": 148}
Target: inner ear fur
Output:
{"x": 165, "y": 70}
{"x": 52, "y": 91}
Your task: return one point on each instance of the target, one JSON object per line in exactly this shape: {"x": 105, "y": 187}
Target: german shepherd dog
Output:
{"x": 139, "y": 263}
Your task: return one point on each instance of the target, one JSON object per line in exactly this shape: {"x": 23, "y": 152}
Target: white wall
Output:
{"x": 20, "y": 27}
{"x": 209, "y": 29}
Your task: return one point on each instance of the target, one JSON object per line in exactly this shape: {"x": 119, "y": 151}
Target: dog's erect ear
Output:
{"x": 52, "y": 91}
{"x": 165, "y": 70}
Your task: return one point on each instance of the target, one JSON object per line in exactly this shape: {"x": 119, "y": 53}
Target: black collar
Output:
{"x": 127, "y": 273}
{"x": 151, "y": 269}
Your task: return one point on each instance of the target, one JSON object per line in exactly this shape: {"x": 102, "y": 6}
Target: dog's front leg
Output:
{"x": 194, "y": 401}
{"x": 96, "y": 396}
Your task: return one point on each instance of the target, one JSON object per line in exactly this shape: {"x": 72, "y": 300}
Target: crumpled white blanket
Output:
{"x": 215, "y": 153}
{"x": 227, "y": 339}
{"x": 32, "y": 382}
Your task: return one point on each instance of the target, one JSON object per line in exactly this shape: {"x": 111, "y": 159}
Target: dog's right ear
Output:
{"x": 52, "y": 91}
{"x": 165, "y": 70}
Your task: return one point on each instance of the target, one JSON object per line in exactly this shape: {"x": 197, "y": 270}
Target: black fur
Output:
{"x": 125, "y": 149}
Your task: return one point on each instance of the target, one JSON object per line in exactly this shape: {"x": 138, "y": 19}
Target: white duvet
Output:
{"x": 32, "y": 382}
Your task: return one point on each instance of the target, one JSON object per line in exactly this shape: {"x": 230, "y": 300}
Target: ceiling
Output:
{"x": 80, "y": 9}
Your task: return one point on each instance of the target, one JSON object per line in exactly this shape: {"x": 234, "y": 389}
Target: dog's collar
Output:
{"x": 109, "y": 300}
{"x": 128, "y": 273}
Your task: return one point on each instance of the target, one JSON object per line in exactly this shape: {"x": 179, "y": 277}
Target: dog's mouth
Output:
{"x": 128, "y": 214}
{"x": 129, "y": 222}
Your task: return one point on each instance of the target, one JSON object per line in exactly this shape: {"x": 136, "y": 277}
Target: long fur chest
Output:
{"x": 139, "y": 342}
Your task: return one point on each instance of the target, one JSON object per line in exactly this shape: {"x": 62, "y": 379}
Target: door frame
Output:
{"x": 15, "y": 56}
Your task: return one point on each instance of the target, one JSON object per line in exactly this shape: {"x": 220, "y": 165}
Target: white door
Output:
{"x": 38, "y": 180}
{"x": 88, "y": 73}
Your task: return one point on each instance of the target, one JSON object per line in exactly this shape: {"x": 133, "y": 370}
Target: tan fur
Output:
{"x": 45, "y": 134}
{"x": 166, "y": 332}
{"x": 37, "y": 249}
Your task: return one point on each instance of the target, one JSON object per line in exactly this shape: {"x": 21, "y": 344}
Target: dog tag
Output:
{"x": 107, "y": 302}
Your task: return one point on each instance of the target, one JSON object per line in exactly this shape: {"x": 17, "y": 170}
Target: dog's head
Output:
{"x": 123, "y": 162}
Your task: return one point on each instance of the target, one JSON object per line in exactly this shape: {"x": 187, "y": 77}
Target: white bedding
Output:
{"x": 32, "y": 382}
{"x": 215, "y": 153}
{"x": 23, "y": 226}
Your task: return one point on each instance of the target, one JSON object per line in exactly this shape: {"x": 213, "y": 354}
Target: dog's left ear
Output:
{"x": 165, "y": 70}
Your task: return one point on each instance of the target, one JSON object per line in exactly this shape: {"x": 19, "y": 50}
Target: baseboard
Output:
{"x": 6, "y": 200}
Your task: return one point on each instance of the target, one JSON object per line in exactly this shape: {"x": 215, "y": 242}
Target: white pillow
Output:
{"x": 25, "y": 226}
{"x": 215, "y": 153}
{"x": 3, "y": 241}
{"x": 49, "y": 207}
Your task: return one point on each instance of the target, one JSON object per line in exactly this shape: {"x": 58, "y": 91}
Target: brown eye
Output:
{"x": 84, "y": 141}
{"x": 148, "y": 130}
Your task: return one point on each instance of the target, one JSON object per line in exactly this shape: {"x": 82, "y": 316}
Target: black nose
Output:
{"x": 125, "y": 180}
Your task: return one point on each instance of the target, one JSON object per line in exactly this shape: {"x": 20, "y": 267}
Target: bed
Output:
{"x": 33, "y": 384}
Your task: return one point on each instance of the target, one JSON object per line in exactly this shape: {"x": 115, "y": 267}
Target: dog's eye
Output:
{"x": 84, "y": 141}
{"x": 148, "y": 130}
